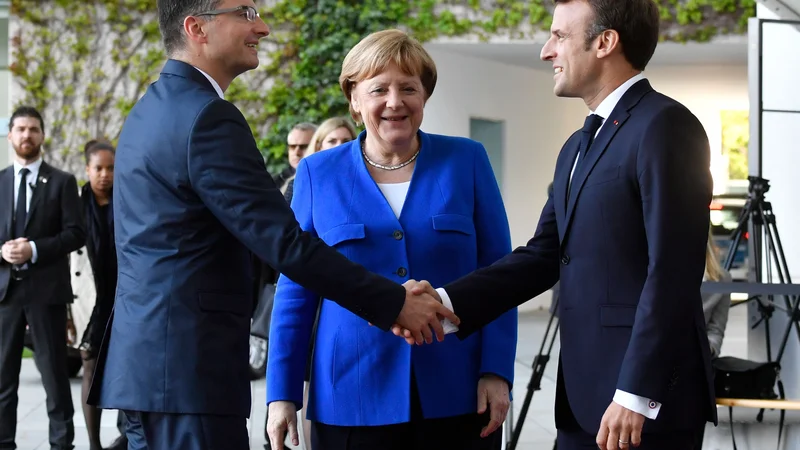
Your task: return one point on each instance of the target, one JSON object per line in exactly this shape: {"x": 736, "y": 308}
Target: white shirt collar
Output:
{"x": 213, "y": 83}
{"x": 608, "y": 104}
{"x": 33, "y": 167}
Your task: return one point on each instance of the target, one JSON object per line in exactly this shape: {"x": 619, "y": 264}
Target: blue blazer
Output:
{"x": 627, "y": 242}
{"x": 192, "y": 203}
{"x": 453, "y": 221}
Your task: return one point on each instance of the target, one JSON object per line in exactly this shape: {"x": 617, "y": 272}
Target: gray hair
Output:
{"x": 172, "y": 13}
{"x": 304, "y": 126}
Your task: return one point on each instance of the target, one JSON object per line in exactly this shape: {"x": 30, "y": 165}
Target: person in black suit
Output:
{"x": 41, "y": 226}
{"x": 625, "y": 232}
{"x": 99, "y": 220}
{"x": 192, "y": 203}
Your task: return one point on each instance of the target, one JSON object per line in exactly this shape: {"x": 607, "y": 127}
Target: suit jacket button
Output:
{"x": 565, "y": 260}
{"x": 402, "y": 272}
{"x": 397, "y": 234}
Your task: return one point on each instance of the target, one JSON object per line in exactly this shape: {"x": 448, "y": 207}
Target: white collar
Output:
{"x": 33, "y": 167}
{"x": 213, "y": 83}
{"x": 608, "y": 104}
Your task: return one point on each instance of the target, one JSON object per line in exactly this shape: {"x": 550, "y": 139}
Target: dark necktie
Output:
{"x": 21, "y": 213}
{"x": 590, "y": 127}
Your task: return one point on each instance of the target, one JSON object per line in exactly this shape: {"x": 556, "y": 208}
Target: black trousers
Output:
{"x": 48, "y": 327}
{"x": 450, "y": 433}
{"x": 157, "y": 431}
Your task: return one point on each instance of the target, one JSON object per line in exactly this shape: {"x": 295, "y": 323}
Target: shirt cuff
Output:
{"x": 641, "y": 405}
{"x": 34, "y": 253}
{"x": 446, "y": 324}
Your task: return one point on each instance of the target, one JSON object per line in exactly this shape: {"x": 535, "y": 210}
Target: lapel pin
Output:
{"x": 616, "y": 123}
{"x": 43, "y": 180}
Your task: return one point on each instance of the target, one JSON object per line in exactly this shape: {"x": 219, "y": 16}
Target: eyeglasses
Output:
{"x": 250, "y": 13}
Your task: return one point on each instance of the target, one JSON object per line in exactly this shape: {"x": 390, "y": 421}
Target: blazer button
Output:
{"x": 565, "y": 260}
{"x": 397, "y": 234}
{"x": 402, "y": 272}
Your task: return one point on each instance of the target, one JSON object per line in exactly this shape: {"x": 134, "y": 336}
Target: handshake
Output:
{"x": 422, "y": 314}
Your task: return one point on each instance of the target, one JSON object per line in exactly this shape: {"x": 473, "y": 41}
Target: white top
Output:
{"x": 395, "y": 194}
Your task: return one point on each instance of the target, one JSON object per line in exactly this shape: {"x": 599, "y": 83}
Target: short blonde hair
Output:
{"x": 376, "y": 52}
{"x": 325, "y": 128}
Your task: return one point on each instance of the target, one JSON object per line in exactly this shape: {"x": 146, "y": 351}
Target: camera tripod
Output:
{"x": 758, "y": 217}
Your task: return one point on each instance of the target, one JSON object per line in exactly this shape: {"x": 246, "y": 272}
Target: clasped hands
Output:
{"x": 422, "y": 314}
{"x": 17, "y": 251}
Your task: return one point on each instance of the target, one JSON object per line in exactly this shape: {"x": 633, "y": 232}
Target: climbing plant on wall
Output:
{"x": 84, "y": 63}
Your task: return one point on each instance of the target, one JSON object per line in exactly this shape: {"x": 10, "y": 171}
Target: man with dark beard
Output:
{"x": 41, "y": 225}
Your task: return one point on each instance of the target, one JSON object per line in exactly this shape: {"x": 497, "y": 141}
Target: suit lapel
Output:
{"x": 38, "y": 191}
{"x": 612, "y": 124}
{"x": 7, "y": 198}
{"x": 561, "y": 182}
{"x": 610, "y": 127}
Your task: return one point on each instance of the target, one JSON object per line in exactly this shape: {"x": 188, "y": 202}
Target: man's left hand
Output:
{"x": 620, "y": 428}
{"x": 493, "y": 391}
{"x": 17, "y": 251}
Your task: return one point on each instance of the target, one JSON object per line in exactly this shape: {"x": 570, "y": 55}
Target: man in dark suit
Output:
{"x": 41, "y": 226}
{"x": 624, "y": 231}
{"x": 192, "y": 200}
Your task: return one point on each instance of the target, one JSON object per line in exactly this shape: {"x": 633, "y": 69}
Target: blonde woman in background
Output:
{"x": 715, "y": 306}
{"x": 331, "y": 133}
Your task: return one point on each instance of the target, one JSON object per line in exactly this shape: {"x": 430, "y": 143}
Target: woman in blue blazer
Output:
{"x": 407, "y": 205}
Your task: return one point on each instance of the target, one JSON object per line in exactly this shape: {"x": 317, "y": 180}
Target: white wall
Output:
{"x": 537, "y": 123}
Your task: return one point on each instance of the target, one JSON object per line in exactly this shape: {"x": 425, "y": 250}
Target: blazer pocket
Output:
{"x": 453, "y": 222}
{"x": 238, "y": 304}
{"x": 345, "y": 232}
{"x": 603, "y": 176}
{"x": 617, "y": 315}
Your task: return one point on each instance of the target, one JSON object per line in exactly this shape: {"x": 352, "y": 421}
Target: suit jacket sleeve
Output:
{"x": 498, "y": 338}
{"x": 228, "y": 173}
{"x": 293, "y": 314}
{"x": 73, "y": 231}
{"x": 675, "y": 187}
{"x": 484, "y": 295}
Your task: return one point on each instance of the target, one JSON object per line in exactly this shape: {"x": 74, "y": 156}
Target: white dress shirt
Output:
{"x": 641, "y": 405}
{"x": 213, "y": 83}
{"x": 31, "y": 179}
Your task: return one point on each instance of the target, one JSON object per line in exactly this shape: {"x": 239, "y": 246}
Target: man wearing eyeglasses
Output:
{"x": 192, "y": 204}
{"x": 296, "y": 145}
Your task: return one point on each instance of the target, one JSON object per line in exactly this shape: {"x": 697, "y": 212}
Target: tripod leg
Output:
{"x": 539, "y": 363}
{"x": 776, "y": 247}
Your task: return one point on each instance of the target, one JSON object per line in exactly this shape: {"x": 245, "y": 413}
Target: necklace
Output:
{"x": 381, "y": 166}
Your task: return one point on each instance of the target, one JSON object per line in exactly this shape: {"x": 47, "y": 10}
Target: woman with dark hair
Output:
{"x": 99, "y": 218}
